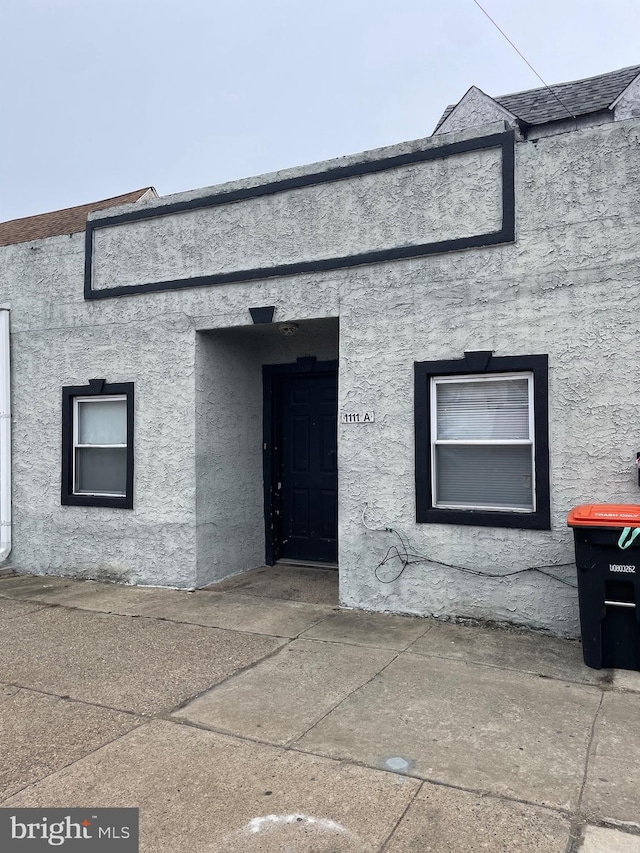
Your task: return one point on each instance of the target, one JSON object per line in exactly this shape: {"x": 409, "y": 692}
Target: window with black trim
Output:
{"x": 482, "y": 449}
{"x": 97, "y": 444}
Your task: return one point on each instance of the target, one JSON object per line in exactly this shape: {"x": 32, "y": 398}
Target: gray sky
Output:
{"x": 100, "y": 97}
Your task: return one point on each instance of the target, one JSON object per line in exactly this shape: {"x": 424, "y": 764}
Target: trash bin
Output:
{"x": 607, "y": 543}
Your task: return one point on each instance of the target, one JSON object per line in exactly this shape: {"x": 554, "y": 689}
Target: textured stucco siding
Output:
{"x": 628, "y": 104}
{"x": 444, "y": 199}
{"x": 229, "y": 397}
{"x": 57, "y": 340}
{"x": 567, "y": 287}
{"x": 475, "y": 109}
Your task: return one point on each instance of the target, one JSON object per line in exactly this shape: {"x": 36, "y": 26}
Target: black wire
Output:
{"x": 522, "y": 56}
{"x": 407, "y": 558}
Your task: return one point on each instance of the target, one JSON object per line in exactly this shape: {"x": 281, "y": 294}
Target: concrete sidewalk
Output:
{"x": 256, "y": 716}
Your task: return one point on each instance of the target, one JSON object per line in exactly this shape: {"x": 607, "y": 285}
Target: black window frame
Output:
{"x": 95, "y": 388}
{"x": 479, "y": 363}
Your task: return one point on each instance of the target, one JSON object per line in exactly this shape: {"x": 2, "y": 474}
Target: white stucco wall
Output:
{"x": 229, "y": 437}
{"x": 627, "y": 105}
{"x": 58, "y": 340}
{"x": 449, "y": 199}
{"x": 567, "y": 287}
{"x": 475, "y": 109}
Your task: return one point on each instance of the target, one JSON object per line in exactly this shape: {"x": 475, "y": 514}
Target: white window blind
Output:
{"x": 482, "y": 446}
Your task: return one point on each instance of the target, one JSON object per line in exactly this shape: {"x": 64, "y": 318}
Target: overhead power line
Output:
{"x": 524, "y": 58}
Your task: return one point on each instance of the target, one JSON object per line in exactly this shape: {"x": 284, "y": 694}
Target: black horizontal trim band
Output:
{"x": 307, "y": 266}
{"x": 505, "y": 141}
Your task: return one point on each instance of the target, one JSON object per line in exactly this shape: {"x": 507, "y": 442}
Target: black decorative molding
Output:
{"x": 262, "y": 315}
{"x": 506, "y": 233}
{"x": 426, "y": 512}
{"x": 478, "y": 362}
{"x": 95, "y": 388}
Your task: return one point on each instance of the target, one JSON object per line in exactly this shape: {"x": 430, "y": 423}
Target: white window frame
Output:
{"x": 435, "y": 441}
{"x": 94, "y": 399}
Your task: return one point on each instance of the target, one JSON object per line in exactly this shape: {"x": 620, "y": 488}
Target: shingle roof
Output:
{"x": 591, "y": 95}
{"x": 67, "y": 221}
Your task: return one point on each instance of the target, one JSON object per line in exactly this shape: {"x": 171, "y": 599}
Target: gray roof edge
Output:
{"x": 554, "y": 93}
{"x": 569, "y": 82}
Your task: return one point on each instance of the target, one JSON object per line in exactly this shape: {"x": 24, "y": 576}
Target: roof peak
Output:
{"x": 559, "y": 101}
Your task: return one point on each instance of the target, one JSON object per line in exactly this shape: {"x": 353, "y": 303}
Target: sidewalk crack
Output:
{"x": 590, "y": 750}
{"x": 316, "y": 722}
{"x": 387, "y": 840}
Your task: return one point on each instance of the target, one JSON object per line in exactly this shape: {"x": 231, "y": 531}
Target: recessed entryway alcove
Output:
{"x": 234, "y": 369}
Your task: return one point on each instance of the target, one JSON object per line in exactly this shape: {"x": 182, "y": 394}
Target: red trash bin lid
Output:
{"x": 604, "y": 515}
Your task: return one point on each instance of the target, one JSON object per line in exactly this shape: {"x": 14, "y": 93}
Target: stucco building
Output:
{"x": 409, "y": 363}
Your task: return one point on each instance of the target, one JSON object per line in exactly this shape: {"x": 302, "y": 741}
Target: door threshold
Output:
{"x": 307, "y": 564}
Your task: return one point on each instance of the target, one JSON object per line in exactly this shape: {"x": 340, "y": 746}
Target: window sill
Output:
{"x": 485, "y": 518}
{"x": 125, "y": 502}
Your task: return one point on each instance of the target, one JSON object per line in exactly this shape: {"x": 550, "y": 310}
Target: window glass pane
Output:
{"x": 484, "y": 476}
{"x": 481, "y": 410}
{"x": 101, "y": 470}
{"x": 102, "y": 422}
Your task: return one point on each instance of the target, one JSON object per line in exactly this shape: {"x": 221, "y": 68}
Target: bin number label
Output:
{"x": 613, "y": 567}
